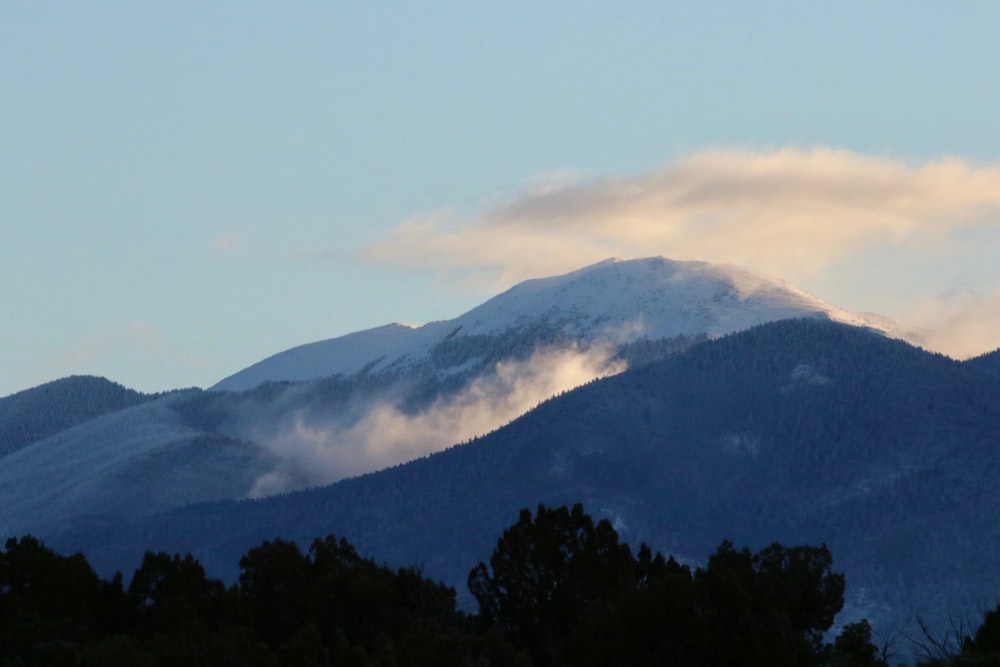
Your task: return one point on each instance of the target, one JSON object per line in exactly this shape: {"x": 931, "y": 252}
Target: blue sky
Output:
{"x": 186, "y": 188}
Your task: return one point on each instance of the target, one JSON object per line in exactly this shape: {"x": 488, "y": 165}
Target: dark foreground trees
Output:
{"x": 549, "y": 575}
{"x": 328, "y": 606}
{"x": 979, "y": 650}
{"x": 559, "y": 589}
{"x": 570, "y": 593}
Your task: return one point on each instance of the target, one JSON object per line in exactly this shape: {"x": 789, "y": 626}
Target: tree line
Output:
{"x": 559, "y": 589}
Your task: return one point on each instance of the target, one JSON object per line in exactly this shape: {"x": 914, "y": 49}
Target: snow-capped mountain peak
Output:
{"x": 615, "y": 300}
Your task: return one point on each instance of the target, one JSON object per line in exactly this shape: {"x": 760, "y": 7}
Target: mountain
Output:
{"x": 801, "y": 431}
{"x": 34, "y": 414}
{"x": 987, "y": 363}
{"x": 122, "y": 465}
{"x": 614, "y": 301}
{"x": 345, "y": 407}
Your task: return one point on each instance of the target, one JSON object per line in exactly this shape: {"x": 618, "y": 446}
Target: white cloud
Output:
{"x": 787, "y": 212}
{"x": 793, "y": 213}
{"x": 961, "y": 324}
{"x": 323, "y": 450}
{"x": 228, "y": 242}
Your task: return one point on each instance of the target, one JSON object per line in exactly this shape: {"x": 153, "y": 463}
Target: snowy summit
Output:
{"x": 617, "y": 301}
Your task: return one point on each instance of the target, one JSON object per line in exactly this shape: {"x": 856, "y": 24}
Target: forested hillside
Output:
{"x": 798, "y": 431}
{"x": 988, "y": 363}
{"x": 37, "y": 413}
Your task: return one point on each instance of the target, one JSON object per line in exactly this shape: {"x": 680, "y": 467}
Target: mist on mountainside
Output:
{"x": 322, "y": 447}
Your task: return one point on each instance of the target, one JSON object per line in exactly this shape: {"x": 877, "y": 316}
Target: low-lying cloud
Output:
{"x": 792, "y": 213}
{"x": 323, "y": 449}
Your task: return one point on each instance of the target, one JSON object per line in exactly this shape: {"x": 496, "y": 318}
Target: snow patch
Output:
{"x": 804, "y": 375}
{"x": 741, "y": 443}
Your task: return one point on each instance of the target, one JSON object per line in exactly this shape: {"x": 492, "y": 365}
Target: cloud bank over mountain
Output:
{"x": 785, "y": 212}
{"x": 794, "y": 213}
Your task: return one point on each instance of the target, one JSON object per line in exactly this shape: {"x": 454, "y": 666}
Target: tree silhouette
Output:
{"x": 548, "y": 572}
{"x": 772, "y": 607}
{"x": 276, "y": 588}
{"x": 567, "y": 591}
{"x": 46, "y": 599}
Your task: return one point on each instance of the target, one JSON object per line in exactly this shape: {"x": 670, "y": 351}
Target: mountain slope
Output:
{"x": 34, "y": 414}
{"x": 798, "y": 431}
{"x": 614, "y": 301}
{"x": 987, "y": 363}
{"x": 122, "y": 465}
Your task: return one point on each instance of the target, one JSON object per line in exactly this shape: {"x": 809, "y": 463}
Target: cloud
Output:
{"x": 136, "y": 337}
{"x": 790, "y": 212}
{"x": 323, "y": 450}
{"x": 228, "y": 242}
{"x": 962, "y": 323}
{"x": 311, "y": 255}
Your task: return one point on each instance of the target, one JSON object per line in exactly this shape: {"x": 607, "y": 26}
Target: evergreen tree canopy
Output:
{"x": 545, "y": 572}
{"x": 570, "y": 593}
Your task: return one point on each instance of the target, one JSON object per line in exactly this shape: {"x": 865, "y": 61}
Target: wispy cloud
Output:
{"x": 793, "y": 213}
{"x": 787, "y": 212}
{"x": 961, "y": 323}
{"x": 228, "y": 242}
{"x": 135, "y": 337}
{"x": 313, "y": 254}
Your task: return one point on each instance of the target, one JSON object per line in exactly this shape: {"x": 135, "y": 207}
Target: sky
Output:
{"x": 187, "y": 187}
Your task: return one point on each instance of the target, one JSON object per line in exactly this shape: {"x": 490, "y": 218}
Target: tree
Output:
{"x": 987, "y": 638}
{"x": 546, "y": 574}
{"x": 570, "y": 593}
{"x": 276, "y": 586}
{"x": 172, "y": 593}
{"x": 46, "y": 599}
{"x": 853, "y": 648}
{"x": 980, "y": 650}
{"x": 771, "y": 608}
